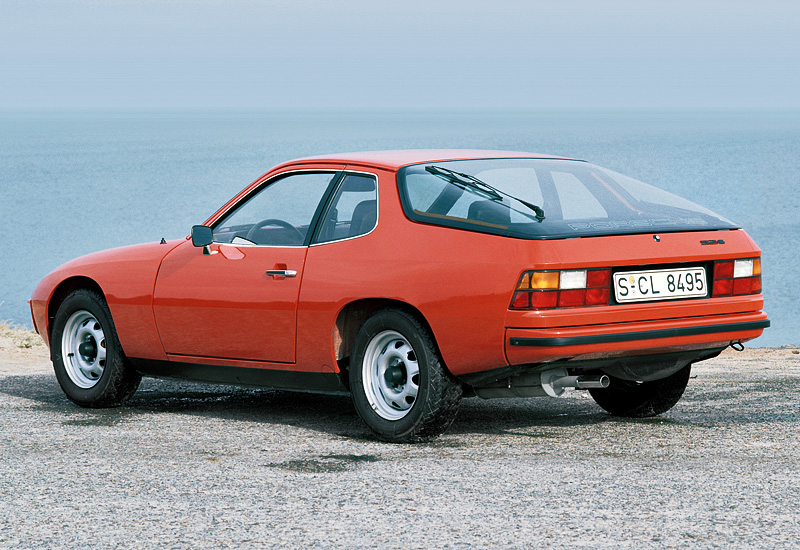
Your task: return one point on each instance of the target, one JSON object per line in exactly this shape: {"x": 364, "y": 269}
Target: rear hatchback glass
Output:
{"x": 544, "y": 199}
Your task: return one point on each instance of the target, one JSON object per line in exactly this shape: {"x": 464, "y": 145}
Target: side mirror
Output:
{"x": 202, "y": 236}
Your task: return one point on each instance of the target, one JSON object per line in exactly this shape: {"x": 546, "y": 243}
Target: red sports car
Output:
{"x": 410, "y": 279}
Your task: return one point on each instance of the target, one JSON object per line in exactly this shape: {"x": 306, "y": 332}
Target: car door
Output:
{"x": 237, "y": 299}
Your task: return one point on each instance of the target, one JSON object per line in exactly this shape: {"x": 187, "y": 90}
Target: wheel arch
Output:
{"x": 64, "y": 289}
{"x": 352, "y": 316}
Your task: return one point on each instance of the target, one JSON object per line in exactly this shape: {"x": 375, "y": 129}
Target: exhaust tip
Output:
{"x": 593, "y": 382}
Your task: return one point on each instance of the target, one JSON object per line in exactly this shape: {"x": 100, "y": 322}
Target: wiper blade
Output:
{"x": 474, "y": 185}
{"x": 465, "y": 181}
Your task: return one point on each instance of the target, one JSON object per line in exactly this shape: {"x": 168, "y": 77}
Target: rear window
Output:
{"x": 543, "y": 198}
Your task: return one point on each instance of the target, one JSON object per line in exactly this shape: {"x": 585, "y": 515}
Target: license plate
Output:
{"x": 662, "y": 284}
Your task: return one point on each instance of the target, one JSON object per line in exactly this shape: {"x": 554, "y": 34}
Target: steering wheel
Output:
{"x": 273, "y": 221}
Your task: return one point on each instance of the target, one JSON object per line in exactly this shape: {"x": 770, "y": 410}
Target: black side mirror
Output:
{"x": 202, "y": 236}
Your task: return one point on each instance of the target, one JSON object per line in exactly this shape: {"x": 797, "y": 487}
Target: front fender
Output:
{"x": 126, "y": 277}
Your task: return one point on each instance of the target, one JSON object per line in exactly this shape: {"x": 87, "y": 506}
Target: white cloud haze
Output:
{"x": 210, "y": 54}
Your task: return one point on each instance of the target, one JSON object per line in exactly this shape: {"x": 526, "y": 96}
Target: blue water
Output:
{"x": 73, "y": 183}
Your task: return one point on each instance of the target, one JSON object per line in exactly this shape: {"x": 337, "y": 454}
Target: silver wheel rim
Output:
{"x": 390, "y": 374}
{"x": 83, "y": 349}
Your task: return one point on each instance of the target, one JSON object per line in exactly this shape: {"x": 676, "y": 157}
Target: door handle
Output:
{"x": 282, "y": 272}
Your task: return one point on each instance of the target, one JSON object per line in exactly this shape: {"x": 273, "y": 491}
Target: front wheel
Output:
{"x": 87, "y": 356}
{"x": 642, "y": 399}
{"x": 400, "y": 387}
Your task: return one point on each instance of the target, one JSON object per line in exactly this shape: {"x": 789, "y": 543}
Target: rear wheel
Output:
{"x": 398, "y": 381}
{"x": 86, "y": 353}
{"x": 642, "y": 399}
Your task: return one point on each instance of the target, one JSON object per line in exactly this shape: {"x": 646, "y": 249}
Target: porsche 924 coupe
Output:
{"x": 411, "y": 279}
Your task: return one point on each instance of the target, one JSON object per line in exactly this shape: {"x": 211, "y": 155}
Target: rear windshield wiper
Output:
{"x": 470, "y": 183}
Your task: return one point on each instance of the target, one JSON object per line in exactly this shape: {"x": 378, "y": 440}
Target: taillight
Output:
{"x": 565, "y": 288}
{"x": 737, "y": 277}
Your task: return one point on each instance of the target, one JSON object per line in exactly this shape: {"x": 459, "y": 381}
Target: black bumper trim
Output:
{"x": 559, "y": 341}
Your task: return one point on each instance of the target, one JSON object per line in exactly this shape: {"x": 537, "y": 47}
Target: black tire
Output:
{"x": 642, "y": 399}
{"x": 95, "y": 373}
{"x": 428, "y": 398}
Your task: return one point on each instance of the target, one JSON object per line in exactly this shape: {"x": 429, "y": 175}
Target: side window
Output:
{"x": 353, "y": 210}
{"x": 278, "y": 214}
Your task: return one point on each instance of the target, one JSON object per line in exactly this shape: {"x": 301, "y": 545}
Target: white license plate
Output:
{"x": 662, "y": 284}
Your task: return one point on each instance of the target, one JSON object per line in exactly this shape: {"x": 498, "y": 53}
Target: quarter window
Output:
{"x": 353, "y": 210}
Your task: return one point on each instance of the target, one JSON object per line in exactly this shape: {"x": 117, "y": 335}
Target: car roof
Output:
{"x": 393, "y": 160}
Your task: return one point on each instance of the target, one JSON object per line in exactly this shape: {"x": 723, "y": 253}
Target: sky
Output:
{"x": 360, "y": 54}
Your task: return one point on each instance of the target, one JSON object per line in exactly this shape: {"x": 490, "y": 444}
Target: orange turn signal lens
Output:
{"x": 756, "y": 266}
{"x": 544, "y": 280}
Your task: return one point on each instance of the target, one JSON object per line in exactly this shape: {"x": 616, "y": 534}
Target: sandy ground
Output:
{"x": 22, "y": 352}
{"x": 197, "y": 466}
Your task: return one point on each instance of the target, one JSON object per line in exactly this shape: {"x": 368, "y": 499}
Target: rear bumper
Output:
{"x": 638, "y": 335}
{"x": 542, "y": 345}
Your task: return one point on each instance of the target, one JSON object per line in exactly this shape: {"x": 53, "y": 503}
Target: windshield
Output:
{"x": 543, "y": 198}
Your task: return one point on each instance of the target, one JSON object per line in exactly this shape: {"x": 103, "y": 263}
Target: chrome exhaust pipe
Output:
{"x": 593, "y": 382}
{"x": 553, "y": 383}
{"x": 583, "y": 382}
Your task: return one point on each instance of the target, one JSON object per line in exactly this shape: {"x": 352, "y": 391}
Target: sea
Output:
{"x": 76, "y": 182}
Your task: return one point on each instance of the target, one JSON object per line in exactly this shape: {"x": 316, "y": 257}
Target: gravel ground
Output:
{"x": 195, "y": 466}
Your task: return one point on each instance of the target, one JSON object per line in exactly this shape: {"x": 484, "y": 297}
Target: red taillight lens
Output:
{"x": 723, "y": 287}
{"x": 522, "y": 300}
{"x": 737, "y": 277}
{"x": 567, "y": 288}
{"x": 572, "y": 298}
{"x": 544, "y": 300}
{"x": 596, "y": 278}
{"x": 742, "y": 286}
{"x": 723, "y": 270}
{"x": 597, "y": 296}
